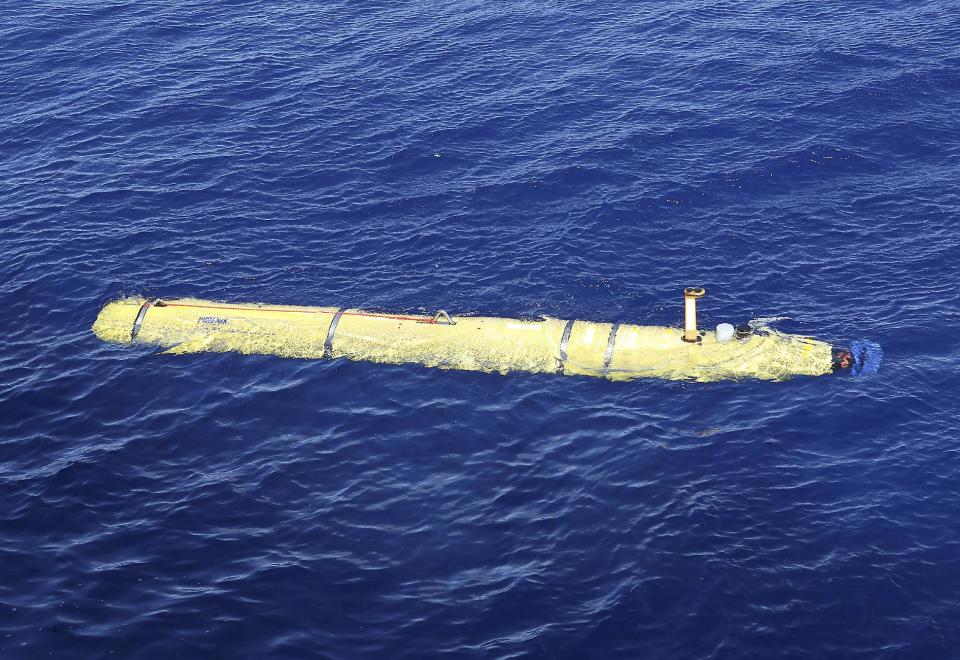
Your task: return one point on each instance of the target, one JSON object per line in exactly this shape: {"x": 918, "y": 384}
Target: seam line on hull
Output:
{"x": 328, "y": 342}
{"x": 393, "y": 317}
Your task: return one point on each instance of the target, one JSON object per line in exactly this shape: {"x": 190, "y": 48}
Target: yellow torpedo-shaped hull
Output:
{"x": 474, "y": 343}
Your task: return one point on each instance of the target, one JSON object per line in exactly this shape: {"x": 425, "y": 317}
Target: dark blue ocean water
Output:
{"x": 580, "y": 160}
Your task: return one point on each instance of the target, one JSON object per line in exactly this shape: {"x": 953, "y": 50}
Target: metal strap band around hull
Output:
{"x": 328, "y": 342}
{"x": 564, "y": 343}
{"x": 608, "y": 355}
{"x": 139, "y": 320}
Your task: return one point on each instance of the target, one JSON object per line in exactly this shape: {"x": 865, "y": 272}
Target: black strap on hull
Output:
{"x": 328, "y": 342}
{"x": 564, "y": 343}
{"x": 139, "y": 320}
{"x": 608, "y": 355}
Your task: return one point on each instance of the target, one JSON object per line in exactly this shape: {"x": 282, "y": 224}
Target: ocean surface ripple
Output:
{"x": 581, "y": 161}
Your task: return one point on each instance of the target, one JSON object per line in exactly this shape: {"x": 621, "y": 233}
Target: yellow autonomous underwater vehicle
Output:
{"x": 617, "y": 351}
